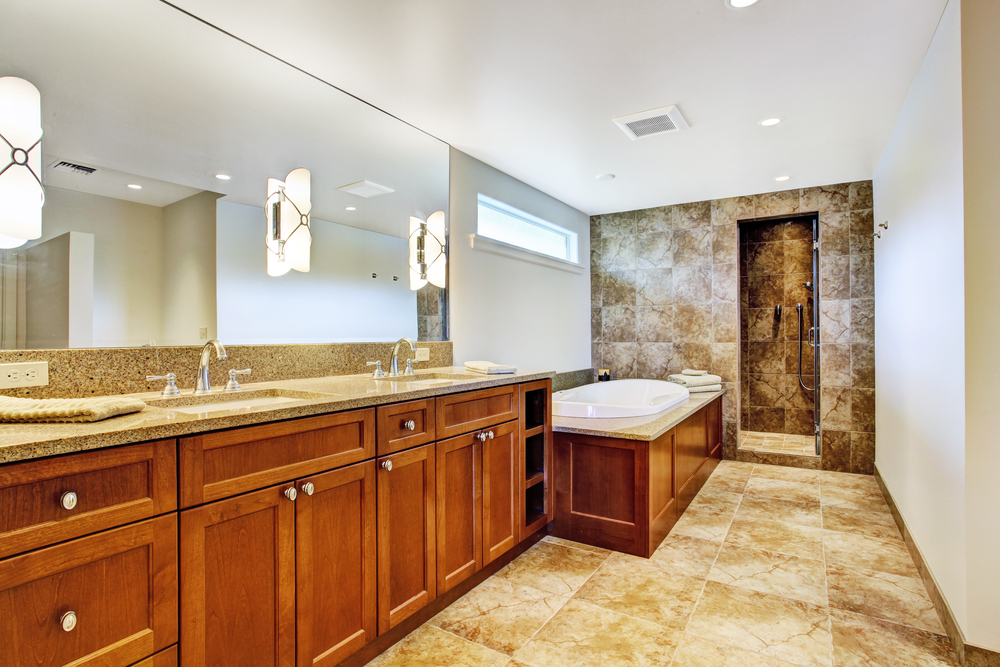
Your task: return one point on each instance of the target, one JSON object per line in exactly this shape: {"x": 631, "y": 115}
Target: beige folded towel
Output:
{"x": 704, "y": 388}
{"x": 688, "y": 371}
{"x": 489, "y": 368}
{"x": 33, "y": 410}
{"x": 694, "y": 380}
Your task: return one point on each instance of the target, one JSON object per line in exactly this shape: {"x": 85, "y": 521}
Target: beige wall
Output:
{"x": 189, "y": 295}
{"x": 59, "y": 292}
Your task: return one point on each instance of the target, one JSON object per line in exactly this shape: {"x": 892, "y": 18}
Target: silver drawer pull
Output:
{"x": 68, "y": 500}
{"x": 290, "y": 493}
{"x": 410, "y": 425}
{"x": 308, "y": 488}
{"x": 387, "y": 465}
{"x": 68, "y": 621}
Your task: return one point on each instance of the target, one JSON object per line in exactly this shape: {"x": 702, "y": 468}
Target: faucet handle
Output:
{"x": 378, "y": 369}
{"x": 233, "y": 385}
{"x": 409, "y": 366}
{"x": 171, "y": 389}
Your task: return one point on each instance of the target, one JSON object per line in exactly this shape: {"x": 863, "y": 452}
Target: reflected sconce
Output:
{"x": 288, "y": 233}
{"x": 21, "y": 192}
{"x": 427, "y": 256}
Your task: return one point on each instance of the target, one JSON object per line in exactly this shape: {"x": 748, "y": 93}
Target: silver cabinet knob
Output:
{"x": 308, "y": 488}
{"x": 482, "y": 437}
{"x": 68, "y": 621}
{"x": 410, "y": 425}
{"x": 290, "y": 493}
{"x": 387, "y": 465}
{"x": 68, "y": 500}
{"x": 491, "y": 435}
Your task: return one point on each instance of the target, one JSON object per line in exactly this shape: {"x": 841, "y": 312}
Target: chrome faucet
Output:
{"x": 204, "y": 386}
{"x": 394, "y": 363}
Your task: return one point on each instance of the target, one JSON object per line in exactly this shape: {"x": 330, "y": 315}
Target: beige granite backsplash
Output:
{"x": 109, "y": 371}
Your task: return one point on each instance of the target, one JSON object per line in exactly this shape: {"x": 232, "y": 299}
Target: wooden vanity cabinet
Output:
{"x": 501, "y": 497}
{"x": 459, "y": 466}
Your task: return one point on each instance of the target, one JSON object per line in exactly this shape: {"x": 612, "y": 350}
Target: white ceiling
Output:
{"x": 530, "y": 87}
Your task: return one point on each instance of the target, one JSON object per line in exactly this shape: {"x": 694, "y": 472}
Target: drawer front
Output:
{"x": 476, "y": 410}
{"x": 52, "y": 500}
{"x": 405, "y": 425}
{"x": 165, "y": 658}
{"x": 223, "y": 464}
{"x": 119, "y": 587}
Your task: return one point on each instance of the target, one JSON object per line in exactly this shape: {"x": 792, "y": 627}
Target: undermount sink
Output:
{"x": 244, "y": 401}
{"x": 433, "y": 378}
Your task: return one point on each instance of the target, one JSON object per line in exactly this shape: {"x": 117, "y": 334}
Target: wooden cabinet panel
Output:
{"x": 111, "y": 487}
{"x": 238, "y": 581}
{"x": 222, "y": 464}
{"x": 713, "y": 417}
{"x": 394, "y": 421}
{"x": 690, "y": 438}
{"x": 335, "y": 564}
{"x": 475, "y": 410}
{"x": 662, "y": 494}
{"x": 459, "y": 486}
{"x": 407, "y": 562}
{"x": 535, "y": 462}
{"x": 165, "y": 658}
{"x": 120, "y": 586}
{"x": 501, "y": 491}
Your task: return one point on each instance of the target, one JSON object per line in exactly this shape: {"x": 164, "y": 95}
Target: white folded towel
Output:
{"x": 688, "y": 371}
{"x": 489, "y": 368}
{"x": 695, "y": 380}
{"x": 704, "y": 388}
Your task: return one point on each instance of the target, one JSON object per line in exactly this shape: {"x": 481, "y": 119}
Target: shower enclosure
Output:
{"x": 779, "y": 335}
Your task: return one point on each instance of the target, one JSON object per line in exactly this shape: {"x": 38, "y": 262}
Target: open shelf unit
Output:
{"x": 536, "y": 455}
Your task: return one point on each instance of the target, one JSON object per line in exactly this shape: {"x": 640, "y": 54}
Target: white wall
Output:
{"x": 337, "y": 301}
{"x": 506, "y": 310}
{"x": 189, "y": 270}
{"x": 59, "y": 292}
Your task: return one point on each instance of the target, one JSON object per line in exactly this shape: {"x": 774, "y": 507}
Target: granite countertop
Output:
{"x": 19, "y": 442}
{"x": 635, "y": 428}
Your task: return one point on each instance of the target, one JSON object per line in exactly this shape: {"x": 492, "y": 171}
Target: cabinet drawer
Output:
{"x": 223, "y": 464}
{"x": 394, "y": 426}
{"x": 475, "y": 410}
{"x": 120, "y": 587}
{"x": 165, "y": 658}
{"x": 111, "y": 487}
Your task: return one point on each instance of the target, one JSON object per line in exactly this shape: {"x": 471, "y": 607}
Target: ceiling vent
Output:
{"x": 366, "y": 189}
{"x": 655, "y": 121}
{"x": 73, "y": 168}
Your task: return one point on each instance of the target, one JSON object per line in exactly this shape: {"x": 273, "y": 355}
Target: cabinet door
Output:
{"x": 335, "y": 564}
{"x": 459, "y": 463}
{"x": 407, "y": 563}
{"x": 501, "y": 509}
{"x": 238, "y": 581}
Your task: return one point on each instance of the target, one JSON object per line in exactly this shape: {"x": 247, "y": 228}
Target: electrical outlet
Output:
{"x": 203, "y": 333}
{"x": 423, "y": 354}
{"x": 28, "y": 374}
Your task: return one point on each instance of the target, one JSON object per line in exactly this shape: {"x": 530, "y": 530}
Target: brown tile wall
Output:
{"x": 432, "y": 313}
{"x": 665, "y": 296}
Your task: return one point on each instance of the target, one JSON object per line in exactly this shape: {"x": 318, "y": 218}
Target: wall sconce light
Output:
{"x": 288, "y": 233}
{"x": 21, "y": 192}
{"x": 427, "y": 257}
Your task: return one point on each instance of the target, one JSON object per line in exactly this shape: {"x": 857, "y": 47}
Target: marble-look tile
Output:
{"x": 655, "y": 360}
{"x": 851, "y": 498}
{"x": 835, "y": 321}
{"x": 691, "y": 355}
{"x": 692, "y": 284}
{"x": 765, "y": 258}
{"x": 801, "y": 422}
{"x": 859, "y": 483}
{"x": 697, "y": 652}
{"x": 863, "y": 410}
{"x": 798, "y": 256}
{"x": 725, "y": 360}
{"x": 618, "y": 224}
{"x": 863, "y": 321}
{"x": 725, "y": 244}
{"x": 731, "y": 210}
{"x": 654, "y": 251}
{"x": 595, "y": 227}
{"x": 826, "y": 199}
{"x": 654, "y": 220}
{"x": 618, "y": 288}
{"x": 767, "y": 358}
{"x": 767, "y": 419}
{"x": 862, "y": 276}
{"x": 767, "y": 624}
{"x": 654, "y": 287}
{"x": 836, "y": 444}
{"x": 766, "y": 391}
{"x": 681, "y": 554}
{"x": 499, "y": 615}
{"x": 797, "y": 230}
{"x": 620, "y": 359}
{"x": 777, "y": 536}
{"x": 596, "y": 324}
{"x": 853, "y": 550}
{"x": 729, "y": 399}
{"x": 725, "y": 283}
{"x": 776, "y": 203}
{"x": 764, "y": 231}
{"x": 584, "y": 635}
{"x": 425, "y": 646}
{"x": 693, "y": 247}
{"x": 860, "y": 641}
{"x": 654, "y": 324}
{"x": 641, "y": 589}
{"x": 552, "y": 568}
{"x": 725, "y": 323}
{"x": 693, "y": 324}
{"x": 769, "y": 572}
{"x": 863, "y": 365}
{"x": 716, "y": 498}
{"x": 762, "y": 325}
{"x": 776, "y": 488}
{"x": 876, "y": 525}
{"x": 695, "y": 215}
{"x": 785, "y": 511}
{"x": 797, "y": 398}
{"x": 619, "y": 324}
{"x": 862, "y": 226}
{"x": 863, "y": 453}
{"x": 731, "y": 481}
{"x": 835, "y": 234}
{"x": 596, "y": 355}
{"x": 835, "y": 408}
{"x": 765, "y": 291}
{"x": 618, "y": 253}
{"x": 835, "y": 276}
{"x": 784, "y": 474}
{"x": 861, "y": 195}
{"x": 882, "y": 595}
{"x": 552, "y": 539}
{"x": 706, "y": 524}
{"x": 835, "y": 370}
{"x": 596, "y": 290}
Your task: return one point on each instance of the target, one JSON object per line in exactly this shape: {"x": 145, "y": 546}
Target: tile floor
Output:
{"x": 769, "y": 567}
{"x": 800, "y": 445}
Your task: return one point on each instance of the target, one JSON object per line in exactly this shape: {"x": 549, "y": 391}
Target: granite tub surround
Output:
{"x": 635, "y": 428}
{"x": 122, "y": 370}
{"x": 573, "y": 379}
{"x": 19, "y": 442}
{"x": 721, "y": 591}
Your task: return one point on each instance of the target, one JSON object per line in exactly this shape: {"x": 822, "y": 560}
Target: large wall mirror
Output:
{"x": 143, "y": 108}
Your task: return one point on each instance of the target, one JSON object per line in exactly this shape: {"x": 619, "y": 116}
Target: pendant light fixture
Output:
{"x": 287, "y": 208}
{"x": 427, "y": 256}
{"x": 21, "y": 193}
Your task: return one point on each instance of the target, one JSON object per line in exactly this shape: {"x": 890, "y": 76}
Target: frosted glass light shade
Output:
{"x": 8, "y": 242}
{"x": 428, "y": 261}
{"x": 21, "y": 193}
{"x": 292, "y": 197}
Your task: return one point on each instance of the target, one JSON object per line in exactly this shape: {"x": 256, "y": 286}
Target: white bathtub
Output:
{"x": 618, "y": 398}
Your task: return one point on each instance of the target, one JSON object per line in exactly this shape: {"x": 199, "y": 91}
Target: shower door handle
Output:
{"x": 811, "y": 337}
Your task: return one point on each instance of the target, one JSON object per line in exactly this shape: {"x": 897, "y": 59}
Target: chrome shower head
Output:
{"x": 808, "y": 286}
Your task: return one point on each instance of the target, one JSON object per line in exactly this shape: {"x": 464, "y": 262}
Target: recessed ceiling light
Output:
{"x": 768, "y": 122}
{"x": 606, "y": 177}
{"x": 739, "y": 4}
{"x": 134, "y": 186}
{"x": 781, "y": 178}
{"x": 223, "y": 177}
{"x": 351, "y": 208}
